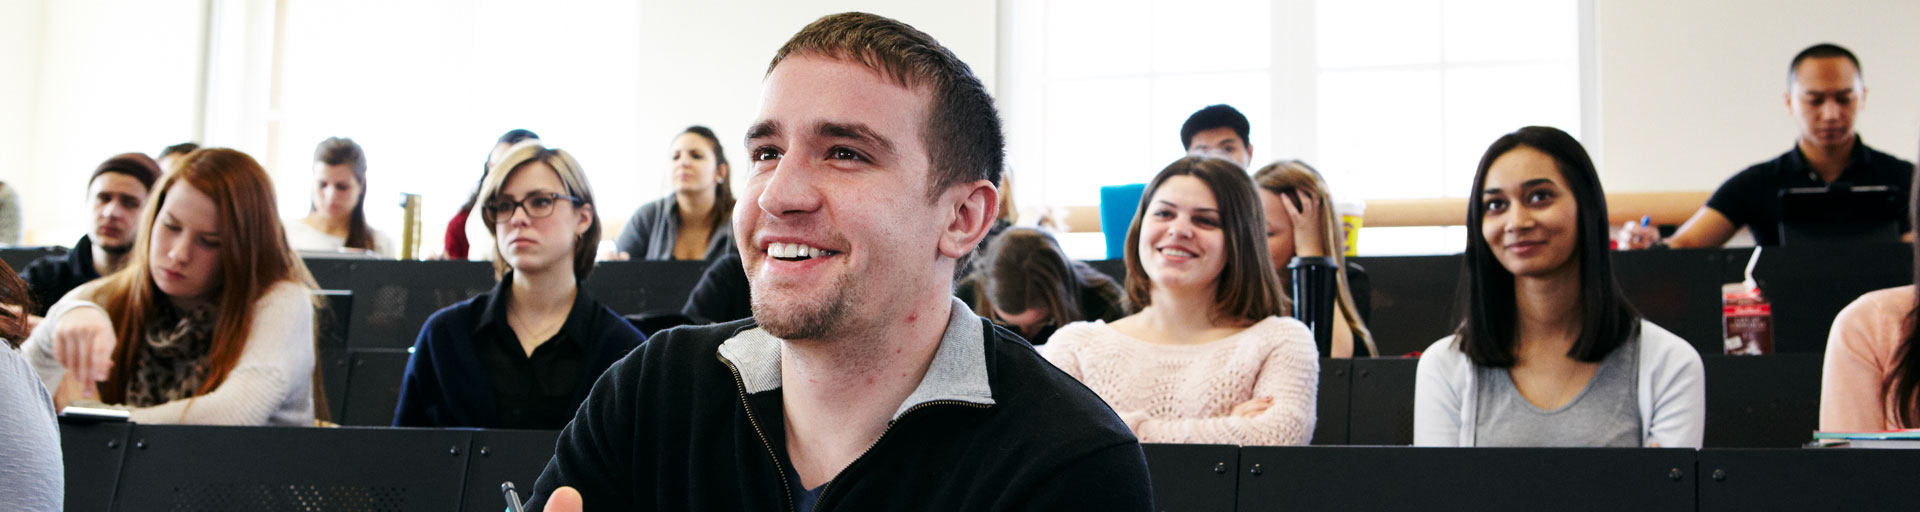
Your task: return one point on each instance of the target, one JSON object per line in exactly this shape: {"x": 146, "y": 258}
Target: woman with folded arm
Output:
{"x": 1209, "y": 354}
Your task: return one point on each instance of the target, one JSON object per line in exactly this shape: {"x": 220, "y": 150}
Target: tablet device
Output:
{"x": 1841, "y": 214}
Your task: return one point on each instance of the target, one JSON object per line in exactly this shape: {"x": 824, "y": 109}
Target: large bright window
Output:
{"x": 425, "y": 87}
{"x": 1391, "y": 99}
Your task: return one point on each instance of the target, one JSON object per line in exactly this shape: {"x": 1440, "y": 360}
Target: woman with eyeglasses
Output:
{"x": 523, "y": 355}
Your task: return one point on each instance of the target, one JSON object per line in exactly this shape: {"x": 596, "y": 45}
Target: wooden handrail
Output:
{"x": 1666, "y": 208}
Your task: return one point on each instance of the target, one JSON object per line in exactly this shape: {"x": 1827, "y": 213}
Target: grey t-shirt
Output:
{"x": 1605, "y": 413}
{"x": 32, "y": 477}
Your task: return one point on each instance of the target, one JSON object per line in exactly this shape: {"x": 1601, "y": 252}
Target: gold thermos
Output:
{"x": 410, "y": 230}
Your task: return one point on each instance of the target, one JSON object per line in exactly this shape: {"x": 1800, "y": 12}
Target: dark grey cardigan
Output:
{"x": 651, "y": 232}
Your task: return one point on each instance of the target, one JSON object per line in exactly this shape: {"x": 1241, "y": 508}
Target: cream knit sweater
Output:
{"x": 271, "y": 384}
{"x": 1185, "y": 393}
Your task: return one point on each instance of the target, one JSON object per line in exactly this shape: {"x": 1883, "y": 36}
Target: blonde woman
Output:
{"x": 525, "y": 354}
{"x": 1303, "y": 238}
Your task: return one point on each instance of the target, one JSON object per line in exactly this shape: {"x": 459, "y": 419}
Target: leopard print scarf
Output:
{"x": 172, "y": 362}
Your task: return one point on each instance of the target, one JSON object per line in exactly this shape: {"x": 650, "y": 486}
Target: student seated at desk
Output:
{"x": 337, "y": 216}
{"x": 1549, "y": 352}
{"x": 116, "y": 193}
{"x": 210, "y": 323}
{"x": 1871, "y": 378}
{"x": 1825, "y": 90}
{"x": 524, "y": 355}
{"x": 693, "y": 222}
{"x": 1209, "y": 355}
{"x": 1303, "y": 238}
{"x": 464, "y": 228}
{"x": 1026, "y": 283}
{"x": 34, "y": 475}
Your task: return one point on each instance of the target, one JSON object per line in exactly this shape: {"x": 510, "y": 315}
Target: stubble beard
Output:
{"x": 115, "y": 250}
{"x": 796, "y": 318}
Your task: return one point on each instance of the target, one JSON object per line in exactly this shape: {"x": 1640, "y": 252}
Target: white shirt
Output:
{"x": 304, "y": 238}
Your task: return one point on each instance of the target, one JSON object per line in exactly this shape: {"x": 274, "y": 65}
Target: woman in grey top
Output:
{"x": 9, "y": 215}
{"x": 32, "y": 476}
{"x": 1549, "y": 352}
{"x": 694, "y": 222}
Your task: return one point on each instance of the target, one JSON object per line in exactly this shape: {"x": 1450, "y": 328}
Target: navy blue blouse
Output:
{"x": 451, "y": 381}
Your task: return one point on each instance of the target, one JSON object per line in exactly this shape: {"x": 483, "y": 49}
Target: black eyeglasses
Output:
{"x": 538, "y": 206}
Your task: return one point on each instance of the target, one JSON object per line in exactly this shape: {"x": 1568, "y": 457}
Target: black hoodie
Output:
{"x": 692, "y": 421}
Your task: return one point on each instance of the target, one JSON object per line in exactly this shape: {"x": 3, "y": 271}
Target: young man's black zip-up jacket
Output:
{"x": 692, "y": 421}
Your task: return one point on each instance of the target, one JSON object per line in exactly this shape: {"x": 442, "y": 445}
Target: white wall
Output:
{"x": 1691, "y": 91}
{"x": 109, "y": 77}
{"x": 706, "y": 59}
{"x": 20, "y": 33}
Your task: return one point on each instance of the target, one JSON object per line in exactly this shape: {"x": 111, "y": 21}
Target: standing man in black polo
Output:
{"x": 116, "y": 193}
{"x": 860, "y": 383}
{"x": 1825, "y": 91}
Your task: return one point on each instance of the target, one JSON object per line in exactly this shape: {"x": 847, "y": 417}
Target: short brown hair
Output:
{"x": 1246, "y": 287}
{"x": 962, "y": 131}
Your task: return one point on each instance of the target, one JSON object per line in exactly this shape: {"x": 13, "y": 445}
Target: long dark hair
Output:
{"x": 13, "y": 291}
{"x": 722, "y": 193}
{"x": 1486, "y": 331}
{"x": 1025, "y": 268}
{"x": 510, "y": 138}
{"x": 1246, "y": 288}
{"x": 1902, "y": 385}
{"x": 340, "y": 151}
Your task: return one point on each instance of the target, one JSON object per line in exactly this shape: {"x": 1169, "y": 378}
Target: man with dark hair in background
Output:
{"x": 116, "y": 192}
{"x": 860, "y": 383}
{"x": 1218, "y": 131}
{"x": 173, "y": 153}
{"x": 1825, "y": 90}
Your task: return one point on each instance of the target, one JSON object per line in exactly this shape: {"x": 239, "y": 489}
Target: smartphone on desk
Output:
{"x": 81, "y": 414}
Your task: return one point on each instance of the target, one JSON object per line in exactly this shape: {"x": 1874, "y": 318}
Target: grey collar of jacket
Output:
{"x": 958, "y": 371}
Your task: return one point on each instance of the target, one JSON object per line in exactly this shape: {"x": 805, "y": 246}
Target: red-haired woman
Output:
{"x": 210, "y": 323}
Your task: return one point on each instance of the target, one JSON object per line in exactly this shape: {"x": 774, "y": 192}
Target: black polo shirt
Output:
{"x": 1752, "y": 198}
{"x": 51, "y": 277}
{"x": 468, "y": 370}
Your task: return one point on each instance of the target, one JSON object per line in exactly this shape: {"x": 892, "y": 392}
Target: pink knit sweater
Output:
{"x": 1861, "y": 352}
{"x": 1185, "y": 393}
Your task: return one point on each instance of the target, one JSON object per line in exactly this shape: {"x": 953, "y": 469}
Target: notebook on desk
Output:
{"x": 1897, "y": 439}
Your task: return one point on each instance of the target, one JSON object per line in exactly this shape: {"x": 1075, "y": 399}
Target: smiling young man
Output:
{"x": 860, "y": 383}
